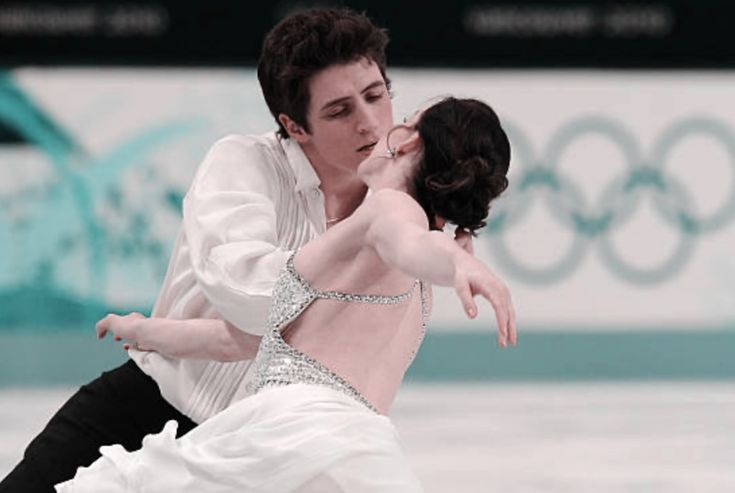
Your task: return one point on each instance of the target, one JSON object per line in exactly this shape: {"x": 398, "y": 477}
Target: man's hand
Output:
{"x": 464, "y": 240}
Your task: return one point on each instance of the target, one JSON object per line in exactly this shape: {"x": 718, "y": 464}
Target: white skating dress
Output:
{"x": 305, "y": 429}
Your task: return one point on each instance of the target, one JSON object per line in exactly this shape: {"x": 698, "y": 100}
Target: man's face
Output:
{"x": 349, "y": 111}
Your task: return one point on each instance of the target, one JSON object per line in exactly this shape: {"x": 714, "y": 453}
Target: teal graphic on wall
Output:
{"x": 646, "y": 176}
{"x": 56, "y": 222}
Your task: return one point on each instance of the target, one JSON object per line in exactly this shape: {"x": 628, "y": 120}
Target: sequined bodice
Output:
{"x": 278, "y": 364}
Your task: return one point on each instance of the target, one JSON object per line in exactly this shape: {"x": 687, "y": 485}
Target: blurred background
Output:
{"x": 616, "y": 235}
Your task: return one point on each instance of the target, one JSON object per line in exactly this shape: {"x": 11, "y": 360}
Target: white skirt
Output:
{"x": 295, "y": 438}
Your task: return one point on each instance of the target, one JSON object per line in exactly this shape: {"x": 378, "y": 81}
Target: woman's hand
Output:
{"x": 128, "y": 328}
{"x": 202, "y": 339}
{"x": 472, "y": 278}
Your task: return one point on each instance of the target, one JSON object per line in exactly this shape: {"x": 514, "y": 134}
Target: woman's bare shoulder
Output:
{"x": 382, "y": 212}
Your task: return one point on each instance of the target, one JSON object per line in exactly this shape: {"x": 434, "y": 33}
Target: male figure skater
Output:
{"x": 253, "y": 200}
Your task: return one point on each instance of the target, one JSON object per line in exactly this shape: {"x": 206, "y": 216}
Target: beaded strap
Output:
{"x": 377, "y": 299}
{"x": 323, "y": 375}
{"x": 424, "y": 304}
{"x": 424, "y": 321}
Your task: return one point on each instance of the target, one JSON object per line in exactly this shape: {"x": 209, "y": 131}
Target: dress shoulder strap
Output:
{"x": 376, "y": 299}
{"x": 424, "y": 303}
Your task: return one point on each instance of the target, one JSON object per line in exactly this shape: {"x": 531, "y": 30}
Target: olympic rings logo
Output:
{"x": 646, "y": 176}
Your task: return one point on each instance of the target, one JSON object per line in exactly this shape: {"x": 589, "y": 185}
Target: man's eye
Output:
{"x": 375, "y": 96}
{"x": 338, "y": 113}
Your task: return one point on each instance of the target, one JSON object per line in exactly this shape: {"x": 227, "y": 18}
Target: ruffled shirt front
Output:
{"x": 253, "y": 201}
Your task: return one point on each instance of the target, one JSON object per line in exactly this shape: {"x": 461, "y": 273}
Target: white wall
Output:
{"x": 143, "y": 132}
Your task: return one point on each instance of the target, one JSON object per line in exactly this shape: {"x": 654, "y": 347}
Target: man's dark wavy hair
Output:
{"x": 306, "y": 42}
{"x": 464, "y": 163}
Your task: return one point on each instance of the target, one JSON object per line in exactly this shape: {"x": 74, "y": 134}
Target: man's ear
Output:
{"x": 294, "y": 130}
{"x": 412, "y": 144}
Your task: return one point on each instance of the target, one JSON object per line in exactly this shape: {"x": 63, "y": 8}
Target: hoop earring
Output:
{"x": 392, "y": 151}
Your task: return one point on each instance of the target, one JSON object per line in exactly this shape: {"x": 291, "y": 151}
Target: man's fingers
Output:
{"x": 464, "y": 239}
{"x": 468, "y": 245}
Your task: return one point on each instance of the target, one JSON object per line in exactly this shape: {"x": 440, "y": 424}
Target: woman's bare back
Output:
{"x": 369, "y": 345}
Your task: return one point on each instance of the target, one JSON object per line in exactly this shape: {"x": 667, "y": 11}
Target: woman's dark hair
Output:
{"x": 306, "y": 42}
{"x": 465, "y": 159}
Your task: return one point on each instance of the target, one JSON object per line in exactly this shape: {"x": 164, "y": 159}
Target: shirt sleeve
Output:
{"x": 229, "y": 217}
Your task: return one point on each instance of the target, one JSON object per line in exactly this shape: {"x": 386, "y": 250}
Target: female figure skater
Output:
{"x": 333, "y": 357}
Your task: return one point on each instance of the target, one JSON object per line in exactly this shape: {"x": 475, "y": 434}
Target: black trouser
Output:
{"x": 121, "y": 406}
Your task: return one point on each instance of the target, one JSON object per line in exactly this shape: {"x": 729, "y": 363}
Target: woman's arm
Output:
{"x": 206, "y": 339}
{"x": 398, "y": 232}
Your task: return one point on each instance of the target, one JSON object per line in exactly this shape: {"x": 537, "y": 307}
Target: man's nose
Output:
{"x": 367, "y": 120}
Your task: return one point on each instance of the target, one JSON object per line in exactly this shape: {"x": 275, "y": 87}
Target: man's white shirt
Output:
{"x": 254, "y": 200}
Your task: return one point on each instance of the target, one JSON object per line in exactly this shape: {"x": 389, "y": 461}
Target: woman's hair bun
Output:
{"x": 464, "y": 163}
